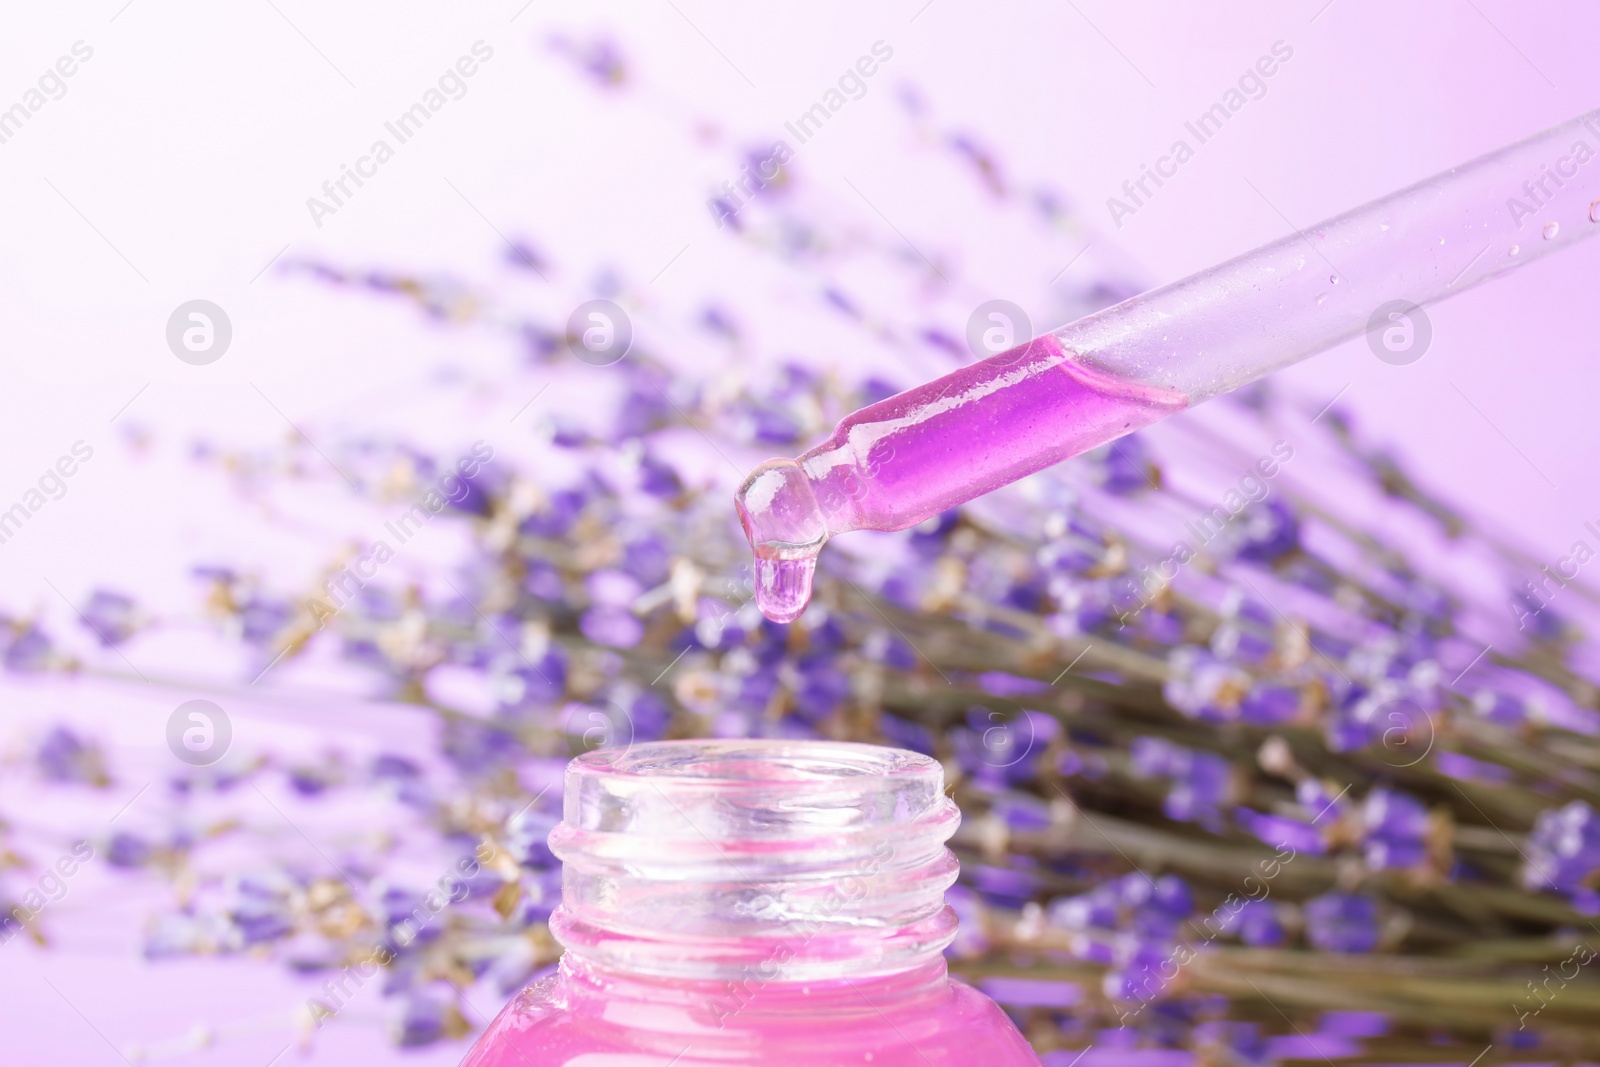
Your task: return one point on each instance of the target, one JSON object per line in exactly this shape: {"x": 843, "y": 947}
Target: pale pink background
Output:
{"x": 193, "y": 137}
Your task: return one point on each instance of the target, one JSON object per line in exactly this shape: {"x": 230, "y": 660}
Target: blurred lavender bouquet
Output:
{"x": 1253, "y": 768}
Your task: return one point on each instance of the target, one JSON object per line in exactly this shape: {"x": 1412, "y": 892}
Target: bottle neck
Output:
{"x": 773, "y": 861}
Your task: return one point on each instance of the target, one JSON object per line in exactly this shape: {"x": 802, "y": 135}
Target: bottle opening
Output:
{"x": 700, "y": 859}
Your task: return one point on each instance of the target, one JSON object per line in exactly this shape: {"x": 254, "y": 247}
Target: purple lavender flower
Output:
{"x": 993, "y": 747}
{"x": 647, "y": 711}
{"x": 902, "y": 733}
{"x": 1075, "y": 546}
{"x": 478, "y": 748}
{"x": 1202, "y": 686}
{"x": 1536, "y": 618}
{"x": 1281, "y": 832}
{"x": 982, "y": 160}
{"x": 944, "y": 341}
{"x": 616, "y": 627}
{"x": 1466, "y": 769}
{"x": 720, "y": 321}
{"x": 1028, "y": 593}
{"x": 1032, "y": 992}
{"x": 823, "y": 633}
{"x": 820, "y": 687}
{"x": 1396, "y": 829}
{"x": 1200, "y": 780}
{"x": 127, "y": 851}
{"x": 646, "y": 408}
{"x": 26, "y": 647}
{"x": 840, "y": 301}
{"x": 561, "y": 509}
{"x": 1198, "y": 796}
{"x": 1005, "y": 887}
{"x": 406, "y": 917}
{"x": 873, "y": 389}
{"x": 404, "y": 777}
{"x": 1392, "y": 714}
{"x": 527, "y": 839}
{"x": 1235, "y": 1042}
{"x": 387, "y": 765}
{"x": 1155, "y": 757}
{"x": 1564, "y": 849}
{"x": 1001, "y": 684}
{"x": 567, "y": 434}
{"x": 1124, "y": 467}
{"x": 755, "y": 424}
{"x": 1097, "y": 909}
{"x": 1160, "y": 906}
{"x": 1235, "y": 643}
{"x": 64, "y": 757}
{"x": 1321, "y": 805}
{"x": 263, "y": 618}
{"x": 521, "y": 254}
{"x": 1266, "y": 532}
{"x": 598, "y": 58}
{"x": 1082, "y": 608}
{"x": 1021, "y": 811}
{"x": 1348, "y": 725}
{"x": 1146, "y": 914}
{"x": 766, "y": 641}
{"x": 930, "y": 537}
{"x": 1342, "y": 922}
{"x": 530, "y": 684}
{"x": 1502, "y": 709}
{"x": 311, "y": 781}
{"x": 647, "y": 556}
{"x": 543, "y": 581}
{"x": 1267, "y": 704}
{"x": 657, "y": 478}
{"x": 541, "y": 894}
{"x": 883, "y": 647}
{"x": 1353, "y": 1023}
{"x": 1256, "y": 923}
{"x": 258, "y": 922}
{"x": 716, "y": 625}
{"x": 112, "y": 616}
{"x": 426, "y": 1018}
{"x": 473, "y": 496}
{"x": 1141, "y": 975}
{"x": 757, "y": 688}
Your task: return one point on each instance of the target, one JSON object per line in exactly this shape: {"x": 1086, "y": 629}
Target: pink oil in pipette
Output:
{"x": 905, "y": 459}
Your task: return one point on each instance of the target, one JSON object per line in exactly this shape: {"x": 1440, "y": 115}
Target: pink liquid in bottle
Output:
{"x": 905, "y": 459}
{"x": 753, "y": 902}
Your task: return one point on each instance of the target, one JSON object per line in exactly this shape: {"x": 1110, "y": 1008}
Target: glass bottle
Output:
{"x": 753, "y": 902}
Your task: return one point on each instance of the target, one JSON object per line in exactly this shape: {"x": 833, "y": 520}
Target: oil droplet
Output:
{"x": 1515, "y": 249}
{"x": 1333, "y": 279}
{"x": 1551, "y": 229}
{"x": 783, "y": 586}
{"x": 1594, "y": 211}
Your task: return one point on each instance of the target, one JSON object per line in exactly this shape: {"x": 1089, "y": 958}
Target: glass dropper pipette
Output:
{"x": 895, "y": 463}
